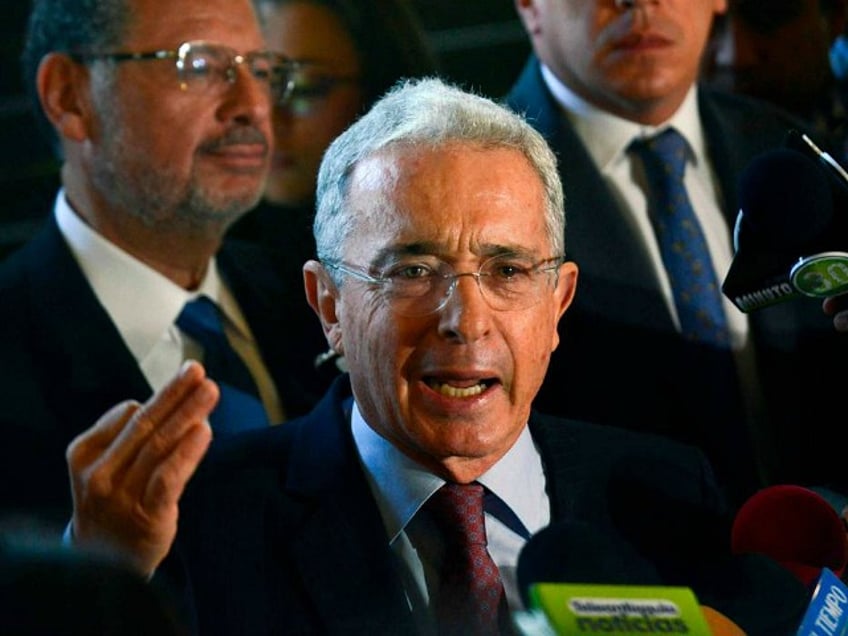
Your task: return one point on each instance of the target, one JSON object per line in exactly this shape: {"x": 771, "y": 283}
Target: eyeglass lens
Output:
{"x": 506, "y": 285}
{"x": 203, "y": 66}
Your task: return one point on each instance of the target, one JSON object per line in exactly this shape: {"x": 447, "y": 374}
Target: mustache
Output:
{"x": 237, "y": 136}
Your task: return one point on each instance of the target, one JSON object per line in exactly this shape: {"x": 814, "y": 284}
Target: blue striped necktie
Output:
{"x": 697, "y": 294}
{"x": 239, "y": 407}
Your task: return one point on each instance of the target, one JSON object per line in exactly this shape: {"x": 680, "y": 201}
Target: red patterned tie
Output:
{"x": 471, "y": 593}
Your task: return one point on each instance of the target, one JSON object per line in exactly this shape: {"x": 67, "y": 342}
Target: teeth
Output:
{"x": 452, "y": 391}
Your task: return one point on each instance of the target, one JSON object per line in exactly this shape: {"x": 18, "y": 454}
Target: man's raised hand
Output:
{"x": 129, "y": 470}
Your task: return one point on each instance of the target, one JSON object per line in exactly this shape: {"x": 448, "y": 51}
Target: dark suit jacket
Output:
{"x": 620, "y": 360}
{"x": 63, "y": 362}
{"x": 280, "y": 533}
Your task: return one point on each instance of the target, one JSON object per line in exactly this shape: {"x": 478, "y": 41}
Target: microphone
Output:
{"x": 796, "y": 527}
{"x": 799, "y": 529}
{"x": 791, "y": 233}
{"x": 576, "y": 578}
{"x": 656, "y": 534}
{"x": 582, "y": 553}
{"x": 827, "y": 613}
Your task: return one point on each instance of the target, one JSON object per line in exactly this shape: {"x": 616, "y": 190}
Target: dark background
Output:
{"x": 480, "y": 43}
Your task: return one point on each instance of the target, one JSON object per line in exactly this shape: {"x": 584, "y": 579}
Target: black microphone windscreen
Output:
{"x": 574, "y": 552}
{"x": 786, "y": 201}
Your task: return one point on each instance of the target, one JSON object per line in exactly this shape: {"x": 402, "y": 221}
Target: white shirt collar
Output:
{"x": 141, "y": 302}
{"x": 518, "y": 479}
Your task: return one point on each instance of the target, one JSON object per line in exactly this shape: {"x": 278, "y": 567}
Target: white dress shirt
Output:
{"x": 143, "y": 304}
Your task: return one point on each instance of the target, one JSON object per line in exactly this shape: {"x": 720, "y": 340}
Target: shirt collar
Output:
{"x": 399, "y": 497}
{"x": 141, "y": 302}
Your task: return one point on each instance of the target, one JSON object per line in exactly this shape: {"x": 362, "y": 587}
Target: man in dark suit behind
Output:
{"x": 603, "y": 73}
{"x": 157, "y": 164}
{"x": 440, "y": 234}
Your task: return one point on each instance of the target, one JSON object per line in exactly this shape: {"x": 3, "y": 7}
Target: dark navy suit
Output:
{"x": 620, "y": 360}
{"x": 63, "y": 362}
{"x": 280, "y": 533}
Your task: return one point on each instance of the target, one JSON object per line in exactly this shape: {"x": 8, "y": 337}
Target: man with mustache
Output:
{"x": 603, "y": 75}
{"x": 161, "y": 114}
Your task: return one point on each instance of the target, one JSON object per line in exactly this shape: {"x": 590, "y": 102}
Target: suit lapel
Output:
{"x": 85, "y": 361}
{"x": 342, "y": 550}
{"x": 559, "y": 452}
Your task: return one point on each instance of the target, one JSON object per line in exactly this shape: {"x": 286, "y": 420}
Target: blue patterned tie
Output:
{"x": 697, "y": 295}
{"x": 470, "y": 600}
{"x": 239, "y": 407}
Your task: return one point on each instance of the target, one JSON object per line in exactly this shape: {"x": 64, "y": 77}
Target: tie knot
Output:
{"x": 666, "y": 152}
{"x": 458, "y": 510}
{"x": 201, "y": 318}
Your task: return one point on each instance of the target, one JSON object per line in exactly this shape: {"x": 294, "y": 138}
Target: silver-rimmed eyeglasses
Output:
{"x": 423, "y": 286}
{"x": 203, "y": 66}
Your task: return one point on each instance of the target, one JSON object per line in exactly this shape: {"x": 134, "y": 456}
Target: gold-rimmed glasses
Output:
{"x": 205, "y": 66}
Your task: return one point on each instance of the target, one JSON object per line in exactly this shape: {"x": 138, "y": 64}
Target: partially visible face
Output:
{"x": 460, "y": 203}
{"x": 637, "y": 63}
{"x": 784, "y": 61}
{"x": 175, "y": 157}
{"x": 308, "y": 31}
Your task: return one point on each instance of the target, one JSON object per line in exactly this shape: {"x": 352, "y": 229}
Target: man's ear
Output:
{"x": 63, "y": 87}
{"x": 564, "y": 294}
{"x": 322, "y": 296}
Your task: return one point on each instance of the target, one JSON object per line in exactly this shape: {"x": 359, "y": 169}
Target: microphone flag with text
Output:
{"x": 826, "y": 615}
{"x": 578, "y": 579}
{"x": 791, "y": 232}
